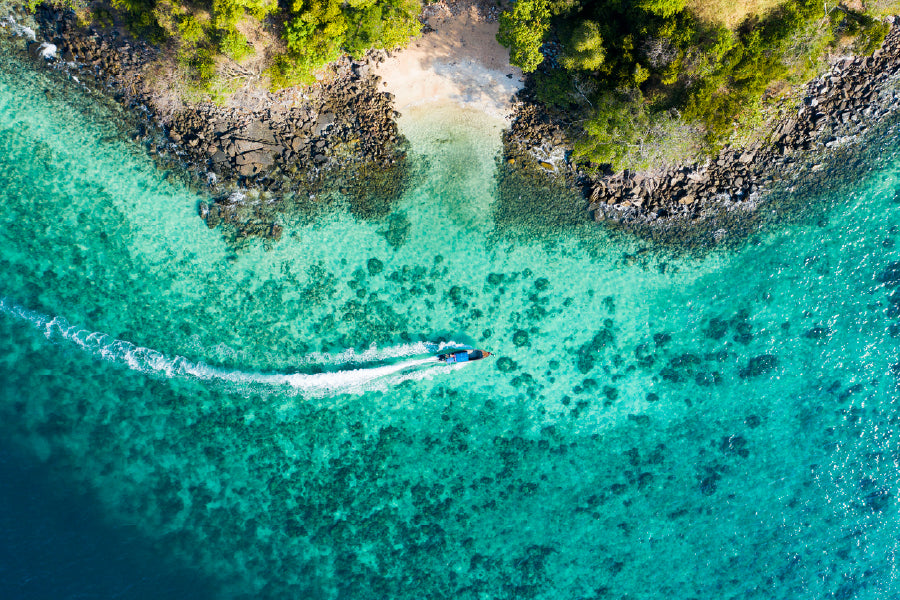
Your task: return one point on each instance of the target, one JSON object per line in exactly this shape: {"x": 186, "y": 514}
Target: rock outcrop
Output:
{"x": 720, "y": 198}
{"x": 257, "y": 167}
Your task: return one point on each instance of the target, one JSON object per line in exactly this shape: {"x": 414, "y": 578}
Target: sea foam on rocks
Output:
{"x": 18, "y": 30}
{"x": 47, "y": 51}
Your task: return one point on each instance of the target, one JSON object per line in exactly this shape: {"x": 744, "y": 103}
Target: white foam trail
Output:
{"x": 375, "y": 354}
{"x": 151, "y": 362}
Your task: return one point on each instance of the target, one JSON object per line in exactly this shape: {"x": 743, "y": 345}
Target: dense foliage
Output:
{"x": 523, "y": 30}
{"x": 318, "y": 31}
{"x": 653, "y": 81}
{"x": 313, "y": 32}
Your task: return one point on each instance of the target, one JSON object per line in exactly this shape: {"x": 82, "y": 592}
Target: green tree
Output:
{"x": 315, "y": 36}
{"x": 380, "y": 24}
{"x": 523, "y": 31}
{"x": 612, "y": 130}
{"x": 663, "y": 8}
{"x": 584, "y": 52}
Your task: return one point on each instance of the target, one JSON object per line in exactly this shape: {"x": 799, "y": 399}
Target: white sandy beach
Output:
{"x": 460, "y": 62}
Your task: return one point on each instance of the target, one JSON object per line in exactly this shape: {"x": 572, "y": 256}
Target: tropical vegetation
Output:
{"x": 654, "y": 80}
{"x": 310, "y": 33}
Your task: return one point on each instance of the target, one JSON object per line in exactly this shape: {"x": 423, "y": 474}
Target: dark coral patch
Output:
{"x": 759, "y": 365}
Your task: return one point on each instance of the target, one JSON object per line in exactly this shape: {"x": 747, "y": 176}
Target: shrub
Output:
{"x": 871, "y": 38}
{"x": 77, "y": 6}
{"x": 203, "y": 64}
{"x": 191, "y": 30}
{"x": 624, "y": 134}
{"x": 284, "y": 73}
{"x": 553, "y": 87}
{"x": 235, "y": 46}
{"x": 663, "y": 8}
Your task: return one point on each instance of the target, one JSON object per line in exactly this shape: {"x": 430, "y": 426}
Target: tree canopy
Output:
{"x": 523, "y": 31}
{"x": 627, "y": 66}
{"x": 584, "y": 52}
{"x": 315, "y": 32}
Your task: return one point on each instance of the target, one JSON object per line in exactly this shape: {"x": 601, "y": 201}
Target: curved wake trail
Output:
{"x": 152, "y": 362}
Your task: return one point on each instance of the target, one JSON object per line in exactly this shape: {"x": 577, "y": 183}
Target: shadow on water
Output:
{"x": 531, "y": 206}
{"x": 56, "y": 543}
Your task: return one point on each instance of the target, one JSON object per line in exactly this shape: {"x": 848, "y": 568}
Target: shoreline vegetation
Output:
{"x": 676, "y": 119}
{"x": 818, "y": 146}
{"x": 647, "y": 83}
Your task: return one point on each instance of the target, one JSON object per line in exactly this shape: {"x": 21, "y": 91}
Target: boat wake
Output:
{"x": 375, "y": 369}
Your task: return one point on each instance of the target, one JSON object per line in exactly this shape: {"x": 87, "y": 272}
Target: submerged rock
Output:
{"x": 709, "y": 484}
{"x": 506, "y": 365}
{"x": 396, "y": 230}
{"x": 18, "y": 30}
{"x": 818, "y": 333}
{"x": 890, "y": 277}
{"x": 520, "y": 338}
{"x": 374, "y": 266}
{"x": 759, "y": 365}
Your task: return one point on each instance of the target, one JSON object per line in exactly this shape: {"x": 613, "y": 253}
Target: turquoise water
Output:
{"x": 652, "y": 426}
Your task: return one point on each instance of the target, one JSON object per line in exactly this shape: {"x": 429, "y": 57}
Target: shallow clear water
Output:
{"x": 715, "y": 427}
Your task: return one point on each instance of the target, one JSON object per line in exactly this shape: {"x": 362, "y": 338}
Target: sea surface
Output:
{"x": 182, "y": 420}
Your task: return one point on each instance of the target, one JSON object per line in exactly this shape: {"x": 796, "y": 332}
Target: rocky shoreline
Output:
{"x": 338, "y": 142}
{"x": 720, "y": 199}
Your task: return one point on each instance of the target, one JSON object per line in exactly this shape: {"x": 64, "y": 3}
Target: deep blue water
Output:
{"x": 57, "y": 543}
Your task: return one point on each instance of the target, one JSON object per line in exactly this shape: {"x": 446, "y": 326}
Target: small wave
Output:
{"x": 152, "y": 362}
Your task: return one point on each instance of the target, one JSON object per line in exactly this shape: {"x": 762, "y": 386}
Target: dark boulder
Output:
{"x": 324, "y": 121}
